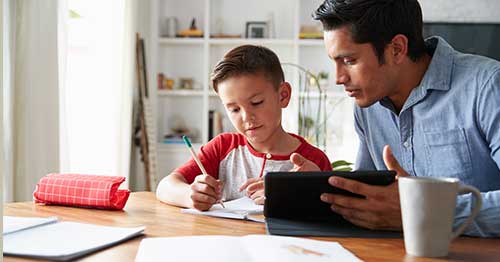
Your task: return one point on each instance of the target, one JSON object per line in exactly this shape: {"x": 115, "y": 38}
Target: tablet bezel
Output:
{"x": 297, "y": 194}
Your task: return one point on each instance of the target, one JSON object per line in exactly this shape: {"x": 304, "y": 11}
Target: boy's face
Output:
{"x": 358, "y": 68}
{"x": 254, "y": 105}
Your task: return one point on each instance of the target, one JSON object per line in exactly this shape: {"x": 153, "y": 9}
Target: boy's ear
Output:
{"x": 285, "y": 94}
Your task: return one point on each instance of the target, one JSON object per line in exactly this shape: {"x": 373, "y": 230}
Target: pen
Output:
{"x": 197, "y": 160}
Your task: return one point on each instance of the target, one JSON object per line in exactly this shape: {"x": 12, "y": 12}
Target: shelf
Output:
{"x": 180, "y": 41}
{"x": 252, "y": 41}
{"x": 180, "y": 92}
{"x": 311, "y": 42}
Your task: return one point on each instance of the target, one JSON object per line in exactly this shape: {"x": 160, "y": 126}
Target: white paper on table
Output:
{"x": 239, "y": 208}
{"x": 249, "y": 248}
{"x": 65, "y": 240}
{"x": 13, "y": 224}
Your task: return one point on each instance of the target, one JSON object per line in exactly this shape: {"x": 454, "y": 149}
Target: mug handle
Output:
{"x": 477, "y": 206}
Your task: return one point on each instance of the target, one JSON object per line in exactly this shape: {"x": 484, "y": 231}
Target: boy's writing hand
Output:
{"x": 205, "y": 192}
{"x": 300, "y": 163}
{"x": 254, "y": 189}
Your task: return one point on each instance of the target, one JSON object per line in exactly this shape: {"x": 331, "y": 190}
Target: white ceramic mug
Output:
{"x": 428, "y": 210}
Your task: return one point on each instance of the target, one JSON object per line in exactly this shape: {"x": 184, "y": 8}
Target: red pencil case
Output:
{"x": 79, "y": 190}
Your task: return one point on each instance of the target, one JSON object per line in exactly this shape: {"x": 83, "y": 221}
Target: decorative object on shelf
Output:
{"x": 311, "y": 32}
{"x": 178, "y": 130}
{"x": 170, "y": 27}
{"x": 160, "y": 78}
{"x": 168, "y": 83}
{"x": 224, "y": 36}
{"x": 257, "y": 30}
{"x": 186, "y": 83}
{"x": 145, "y": 130}
{"x": 164, "y": 83}
{"x": 193, "y": 31}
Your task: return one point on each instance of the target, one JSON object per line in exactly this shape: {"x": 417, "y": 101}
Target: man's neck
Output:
{"x": 409, "y": 78}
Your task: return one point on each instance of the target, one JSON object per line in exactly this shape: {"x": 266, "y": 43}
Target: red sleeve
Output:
{"x": 317, "y": 156}
{"x": 210, "y": 156}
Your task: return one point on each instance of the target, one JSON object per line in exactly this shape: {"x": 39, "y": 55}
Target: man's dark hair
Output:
{"x": 376, "y": 22}
{"x": 249, "y": 60}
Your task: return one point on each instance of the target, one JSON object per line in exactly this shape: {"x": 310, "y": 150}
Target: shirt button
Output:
{"x": 268, "y": 156}
{"x": 407, "y": 144}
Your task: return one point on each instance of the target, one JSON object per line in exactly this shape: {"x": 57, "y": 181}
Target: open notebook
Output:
{"x": 256, "y": 248}
{"x": 241, "y": 208}
{"x": 46, "y": 238}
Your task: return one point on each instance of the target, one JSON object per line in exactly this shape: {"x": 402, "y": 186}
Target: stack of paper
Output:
{"x": 46, "y": 238}
{"x": 255, "y": 248}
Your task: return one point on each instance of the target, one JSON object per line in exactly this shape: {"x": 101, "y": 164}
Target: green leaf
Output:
{"x": 74, "y": 14}
{"x": 342, "y": 169}
{"x": 340, "y": 163}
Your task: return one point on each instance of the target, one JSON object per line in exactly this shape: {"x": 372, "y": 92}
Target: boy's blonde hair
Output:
{"x": 249, "y": 60}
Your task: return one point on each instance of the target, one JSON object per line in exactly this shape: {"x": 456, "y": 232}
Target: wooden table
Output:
{"x": 163, "y": 220}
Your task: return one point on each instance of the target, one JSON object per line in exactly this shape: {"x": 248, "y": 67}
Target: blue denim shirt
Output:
{"x": 448, "y": 127}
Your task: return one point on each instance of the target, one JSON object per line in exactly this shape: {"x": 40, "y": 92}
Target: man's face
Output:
{"x": 357, "y": 67}
{"x": 253, "y": 106}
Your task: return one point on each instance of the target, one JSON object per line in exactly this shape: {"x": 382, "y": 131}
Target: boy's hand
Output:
{"x": 300, "y": 163}
{"x": 205, "y": 192}
{"x": 254, "y": 189}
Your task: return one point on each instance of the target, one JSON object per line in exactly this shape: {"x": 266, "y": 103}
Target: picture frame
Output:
{"x": 257, "y": 30}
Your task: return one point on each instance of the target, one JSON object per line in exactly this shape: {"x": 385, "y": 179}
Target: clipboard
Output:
{"x": 293, "y": 206}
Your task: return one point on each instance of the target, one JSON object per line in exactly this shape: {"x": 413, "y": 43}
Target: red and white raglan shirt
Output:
{"x": 230, "y": 158}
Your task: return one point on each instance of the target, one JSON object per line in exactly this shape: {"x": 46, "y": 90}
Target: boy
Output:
{"x": 250, "y": 83}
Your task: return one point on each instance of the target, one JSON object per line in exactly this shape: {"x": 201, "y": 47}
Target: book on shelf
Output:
{"x": 214, "y": 123}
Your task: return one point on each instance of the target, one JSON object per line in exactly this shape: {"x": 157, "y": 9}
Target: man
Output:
{"x": 431, "y": 110}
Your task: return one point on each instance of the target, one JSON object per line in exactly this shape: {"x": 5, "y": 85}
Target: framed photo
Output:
{"x": 257, "y": 30}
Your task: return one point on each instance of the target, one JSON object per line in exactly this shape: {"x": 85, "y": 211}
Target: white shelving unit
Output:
{"x": 195, "y": 58}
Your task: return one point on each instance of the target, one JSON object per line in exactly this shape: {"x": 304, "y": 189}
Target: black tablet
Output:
{"x": 297, "y": 194}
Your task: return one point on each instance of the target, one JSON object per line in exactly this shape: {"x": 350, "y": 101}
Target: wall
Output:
{"x": 461, "y": 11}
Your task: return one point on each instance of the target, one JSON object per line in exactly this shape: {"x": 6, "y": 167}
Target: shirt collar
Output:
{"x": 438, "y": 73}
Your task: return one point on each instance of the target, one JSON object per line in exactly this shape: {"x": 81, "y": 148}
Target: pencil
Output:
{"x": 197, "y": 160}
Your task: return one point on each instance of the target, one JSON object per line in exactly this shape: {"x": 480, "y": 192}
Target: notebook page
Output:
{"x": 238, "y": 209}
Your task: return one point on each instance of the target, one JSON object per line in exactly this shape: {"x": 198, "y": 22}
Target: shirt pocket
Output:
{"x": 448, "y": 154}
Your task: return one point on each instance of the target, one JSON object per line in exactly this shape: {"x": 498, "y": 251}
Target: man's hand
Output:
{"x": 254, "y": 189}
{"x": 300, "y": 163}
{"x": 205, "y": 192}
{"x": 381, "y": 208}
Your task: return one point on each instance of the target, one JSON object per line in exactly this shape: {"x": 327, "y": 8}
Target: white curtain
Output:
{"x": 41, "y": 126}
{"x": 31, "y": 105}
{"x": 96, "y": 114}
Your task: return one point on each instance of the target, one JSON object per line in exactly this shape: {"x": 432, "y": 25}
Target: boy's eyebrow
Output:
{"x": 250, "y": 97}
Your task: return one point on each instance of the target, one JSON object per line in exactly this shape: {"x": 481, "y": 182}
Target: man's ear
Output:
{"x": 398, "y": 49}
{"x": 285, "y": 94}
